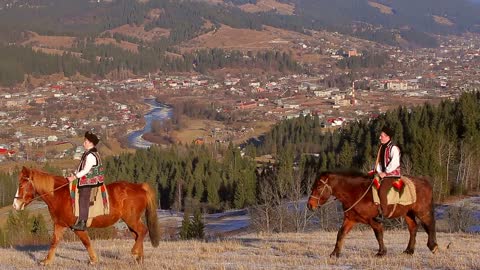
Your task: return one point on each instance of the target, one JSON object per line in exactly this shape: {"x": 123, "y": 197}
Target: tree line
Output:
{"x": 442, "y": 142}
{"x": 100, "y": 60}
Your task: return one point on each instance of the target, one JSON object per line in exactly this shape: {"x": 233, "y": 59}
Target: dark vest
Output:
{"x": 384, "y": 159}
{"x": 95, "y": 176}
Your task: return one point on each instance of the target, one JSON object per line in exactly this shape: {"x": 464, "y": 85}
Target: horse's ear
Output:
{"x": 25, "y": 171}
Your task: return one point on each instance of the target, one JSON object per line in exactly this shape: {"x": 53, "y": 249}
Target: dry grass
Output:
{"x": 281, "y": 251}
{"x": 123, "y": 44}
{"x": 268, "y": 5}
{"x": 382, "y": 8}
{"x": 245, "y": 39}
{"x": 195, "y": 129}
{"x": 140, "y": 33}
{"x": 56, "y": 42}
{"x": 54, "y": 51}
{"x": 442, "y": 20}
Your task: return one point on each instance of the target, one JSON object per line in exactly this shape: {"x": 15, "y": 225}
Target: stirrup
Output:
{"x": 81, "y": 225}
{"x": 380, "y": 218}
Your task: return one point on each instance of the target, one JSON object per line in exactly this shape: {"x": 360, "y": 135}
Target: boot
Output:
{"x": 81, "y": 225}
{"x": 379, "y": 218}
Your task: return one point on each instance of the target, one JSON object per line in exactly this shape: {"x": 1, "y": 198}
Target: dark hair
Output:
{"x": 92, "y": 137}
{"x": 388, "y": 131}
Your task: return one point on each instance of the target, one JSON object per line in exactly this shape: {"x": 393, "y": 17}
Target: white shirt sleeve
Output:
{"x": 89, "y": 163}
{"x": 394, "y": 161}
{"x": 379, "y": 168}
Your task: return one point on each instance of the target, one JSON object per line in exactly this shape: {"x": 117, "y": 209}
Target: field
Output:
{"x": 269, "y": 5}
{"x": 227, "y": 37}
{"x": 253, "y": 251}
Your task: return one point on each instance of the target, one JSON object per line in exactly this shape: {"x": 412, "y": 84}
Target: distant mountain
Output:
{"x": 379, "y": 20}
{"x": 433, "y": 16}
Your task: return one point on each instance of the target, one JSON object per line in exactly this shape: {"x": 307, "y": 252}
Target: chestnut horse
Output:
{"x": 353, "y": 190}
{"x": 128, "y": 201}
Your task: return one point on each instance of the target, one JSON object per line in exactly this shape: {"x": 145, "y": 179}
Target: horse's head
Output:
{"x": 321, "y": 191}
{"x": 26, "y": 190}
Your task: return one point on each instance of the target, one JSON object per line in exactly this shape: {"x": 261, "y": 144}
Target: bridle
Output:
{"x": 29, "y": 179}
{"x": 325, "y": 186}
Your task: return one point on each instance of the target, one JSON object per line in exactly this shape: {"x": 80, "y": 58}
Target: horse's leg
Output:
{"x": 428, "y": 223}
{"x": 412, "y": 228}
{"x": 139, "y": 231}
{"x": 378, "y": 230}
{"x": 83, "y": 235}
{"x": 346, "y": 227}
{"x": 57, "y": 236}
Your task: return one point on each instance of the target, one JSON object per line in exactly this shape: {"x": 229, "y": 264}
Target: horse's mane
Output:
{"x": 346, "y": 173}
{"x": 44, "y": 181}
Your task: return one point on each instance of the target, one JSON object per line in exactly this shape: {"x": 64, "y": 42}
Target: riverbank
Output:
{"x": 159, "y": 112}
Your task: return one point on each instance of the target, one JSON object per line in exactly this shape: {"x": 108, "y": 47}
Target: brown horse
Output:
{"x": 128, "y": 202}
{"x": 351, "y": 190}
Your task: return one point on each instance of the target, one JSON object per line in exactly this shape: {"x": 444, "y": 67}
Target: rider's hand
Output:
{"x": 382, "y": 174}
{"x": 71, "y": 178}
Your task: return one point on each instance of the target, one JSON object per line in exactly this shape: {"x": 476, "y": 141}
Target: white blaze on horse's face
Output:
{"x": 17, "y": 203}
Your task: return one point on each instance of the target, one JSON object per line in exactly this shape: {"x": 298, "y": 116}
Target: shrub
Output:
{"x": 22, "y": 229}
{"x": 192, "y": 229}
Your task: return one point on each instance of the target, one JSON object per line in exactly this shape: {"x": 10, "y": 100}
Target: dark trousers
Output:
{"x": 83, "y": 202}
{"x": 385, "y": 186}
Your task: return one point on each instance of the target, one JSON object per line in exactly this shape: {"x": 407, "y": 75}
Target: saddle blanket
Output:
{"x": 407, "y": 196}
{"x": 99, "y": 203}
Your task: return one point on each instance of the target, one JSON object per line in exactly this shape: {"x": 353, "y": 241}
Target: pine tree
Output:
{"x": 197, "y": 226}
{"x": 185, "y": 230}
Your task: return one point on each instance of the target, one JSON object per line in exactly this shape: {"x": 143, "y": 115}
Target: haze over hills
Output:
{"x": 150, "y": 35}
{"x": 358, "y": 17}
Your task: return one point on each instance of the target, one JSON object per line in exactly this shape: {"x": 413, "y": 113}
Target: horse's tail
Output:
{"x": 151, "y": 215}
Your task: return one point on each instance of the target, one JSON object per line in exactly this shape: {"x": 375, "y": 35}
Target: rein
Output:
{"x": 38, "y": 196}
{"x": 325, "y": 185}
{"x": 365, "y": 193}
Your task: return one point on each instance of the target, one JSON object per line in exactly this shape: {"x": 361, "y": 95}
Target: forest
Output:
{"x": 86, "y": 20}
{"x": 17, "y": 62}
{"x": 441, "y": 142}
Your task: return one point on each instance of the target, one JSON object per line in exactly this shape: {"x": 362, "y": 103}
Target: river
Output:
{"x": 160, "y": 112}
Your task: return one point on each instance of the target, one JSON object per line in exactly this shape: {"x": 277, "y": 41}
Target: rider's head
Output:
{"x": 386, "y": 134}
{"x": 92, "y": 138}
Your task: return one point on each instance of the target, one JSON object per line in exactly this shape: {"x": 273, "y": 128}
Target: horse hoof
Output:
{"x": 138, "y": 258}
{"x": 409, "y": 251}
{"x": 334, "y": 254}
{"x": 93, "y": 261}
{"x": 44, "y": 262}
{"x": 380, "y": 253}
{"x": 435, "y": 249}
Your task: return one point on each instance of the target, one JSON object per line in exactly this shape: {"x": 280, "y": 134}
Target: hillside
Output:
{"x": 87, "y": 18}
{"x": 251, "y": 251}
{"x": 98, "y": 37}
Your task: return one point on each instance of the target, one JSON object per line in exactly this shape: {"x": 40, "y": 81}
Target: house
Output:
{"x": 308, "y": 86}
{"x": 396, "y": 85}
{"x": 322, "y": 93}
{"x": 246, "y": 105}
{"x": 352, "y": 53}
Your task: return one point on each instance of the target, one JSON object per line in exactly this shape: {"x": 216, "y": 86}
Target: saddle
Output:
{"x": 403, "y": 192}
{"x": 99, "y": 202}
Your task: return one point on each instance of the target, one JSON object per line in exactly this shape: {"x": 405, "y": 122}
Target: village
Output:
{"x": 46, "y": 122}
